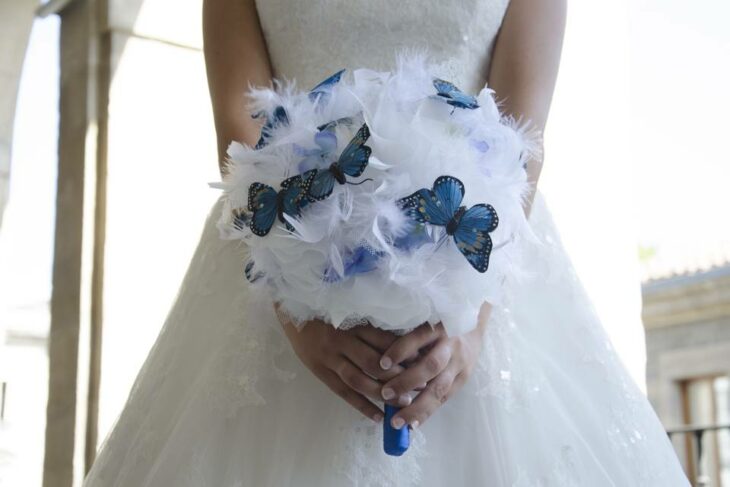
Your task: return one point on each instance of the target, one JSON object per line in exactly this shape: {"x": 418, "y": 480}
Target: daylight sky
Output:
{"x": 680, "y": 77}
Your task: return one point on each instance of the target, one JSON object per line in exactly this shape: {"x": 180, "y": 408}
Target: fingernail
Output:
{"x": 398, "y": 423}
{"x": 415, "y": 424}
{"x": 404, "y": 400}
{"x": 386, "y": 363}
{"x": 378, "y": 418}
{"x": 388, "y": 393}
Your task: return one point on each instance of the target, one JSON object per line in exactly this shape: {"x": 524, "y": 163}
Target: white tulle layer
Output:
{"x": 415, "y": 138}
{"x": 222, "y": 400}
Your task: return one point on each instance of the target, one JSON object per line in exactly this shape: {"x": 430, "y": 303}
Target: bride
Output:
{"x": 534, "y": 396}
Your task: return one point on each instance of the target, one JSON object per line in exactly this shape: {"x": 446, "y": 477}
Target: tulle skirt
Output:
{"x": 223, "y": 401}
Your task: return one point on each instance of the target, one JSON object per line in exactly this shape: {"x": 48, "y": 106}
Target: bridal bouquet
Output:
{"x": 391, "y": 198}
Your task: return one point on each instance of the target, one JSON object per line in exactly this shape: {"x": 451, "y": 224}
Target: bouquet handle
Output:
{"x": 395, "y": 441}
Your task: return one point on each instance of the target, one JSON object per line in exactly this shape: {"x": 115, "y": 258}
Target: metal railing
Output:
{"x": 702, "y": 479}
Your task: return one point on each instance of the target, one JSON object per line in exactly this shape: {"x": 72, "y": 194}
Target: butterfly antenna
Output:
{"x": 359, "y": 183}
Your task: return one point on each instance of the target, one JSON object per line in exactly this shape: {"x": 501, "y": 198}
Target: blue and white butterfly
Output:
{"x": 453, "y": 95}
{"x": 322, "y": 92}
{"x": 352, "y": 162}
{"x": 266, "y": 204}
{"x": 469, "y": 227}
{"x": 278, "y": 118}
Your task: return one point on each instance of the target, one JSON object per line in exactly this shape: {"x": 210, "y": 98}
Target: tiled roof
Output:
{"x": 670, "y": 261}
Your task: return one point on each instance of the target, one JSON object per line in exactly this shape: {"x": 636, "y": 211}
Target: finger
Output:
{"x": 409, "y": 345}
{"x": 353, "y": 398}
{"x": 436, "y": 393}
{"x": 367, "y": 359}
{"x": 375, "y": 337}
{"x": 356, "y": 379}
{"x": 428, "y": 367}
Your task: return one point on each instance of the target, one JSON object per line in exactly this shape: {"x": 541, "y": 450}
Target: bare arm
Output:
{"x": 235, "y": 57}
{"x": 525, "y": 64}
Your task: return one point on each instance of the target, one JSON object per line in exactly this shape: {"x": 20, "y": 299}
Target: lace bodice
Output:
{"x": 310, "y": 39}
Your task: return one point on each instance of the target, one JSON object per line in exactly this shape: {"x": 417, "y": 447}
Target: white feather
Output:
{"x": 415, "y": 137}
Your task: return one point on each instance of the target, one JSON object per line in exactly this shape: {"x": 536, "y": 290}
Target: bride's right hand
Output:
{"x": 347, "y": 361}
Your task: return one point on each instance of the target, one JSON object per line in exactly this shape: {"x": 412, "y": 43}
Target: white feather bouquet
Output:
{"x": 387, "y": 197}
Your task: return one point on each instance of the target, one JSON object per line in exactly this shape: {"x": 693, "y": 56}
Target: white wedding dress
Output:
{"x": 223, "y": 401}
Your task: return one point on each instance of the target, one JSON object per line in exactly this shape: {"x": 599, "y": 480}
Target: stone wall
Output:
{"x": 687, "y": 320}
{"x": 16, "y": 20}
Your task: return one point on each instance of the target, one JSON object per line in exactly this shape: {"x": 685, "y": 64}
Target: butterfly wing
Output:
{"x": 436, "y": 206}
{"x": 450, "y": 192}
{"x": 322, "y": 90}
{"x": 354, "y": 158}
{"x": 303, "y": 180}
{"x": 322, "y": 185}
{"x": 453, "y": 95}
{"x": 472, "y": 235}
{"x": 294, "y": 195}
{"x": 462, "y": 100}
{"x": 444, "y": 88}
{"x": 423, "y": 206}
{"x": 262, "y": 202}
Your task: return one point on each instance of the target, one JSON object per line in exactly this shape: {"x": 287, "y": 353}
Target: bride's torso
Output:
{"x": 309, "y": 39}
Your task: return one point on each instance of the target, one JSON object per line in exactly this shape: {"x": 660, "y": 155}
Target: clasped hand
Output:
{"x": 418, "y": 371}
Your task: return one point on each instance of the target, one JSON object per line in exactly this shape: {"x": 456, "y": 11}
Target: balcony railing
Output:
{"x": 702, "y": 479}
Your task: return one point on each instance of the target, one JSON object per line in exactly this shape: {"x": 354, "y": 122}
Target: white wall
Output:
{"x": 161, "y": 156}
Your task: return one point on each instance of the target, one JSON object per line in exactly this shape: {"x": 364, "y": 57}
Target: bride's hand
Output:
{"x": 444, "y": 365}
{"x": 347, "y": 361}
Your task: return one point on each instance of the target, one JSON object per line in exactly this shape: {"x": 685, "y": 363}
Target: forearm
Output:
{"x": 525, "y": 66}
{"x": 235, "y": 58}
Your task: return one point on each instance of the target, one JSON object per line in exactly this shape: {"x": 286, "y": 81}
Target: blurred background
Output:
{"x": 107, "y": 146}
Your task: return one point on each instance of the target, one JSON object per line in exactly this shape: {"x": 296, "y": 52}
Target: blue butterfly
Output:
{"x": 279, "y": 117}
{"x": 322, "y": 91}
{"x": 352, "y": 162}
{"x": 469, "y": 227}
{"x": 267, "y": 204}
{"x": 453, "y": 95}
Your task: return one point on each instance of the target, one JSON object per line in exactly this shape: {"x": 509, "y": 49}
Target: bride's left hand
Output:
{"x": 444, "y": 367}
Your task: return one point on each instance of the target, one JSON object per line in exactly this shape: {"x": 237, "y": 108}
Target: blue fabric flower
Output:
{"x": 415, "y": 238}
{"x": 322, "y": 156}
{"x": 360, "y": 260}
